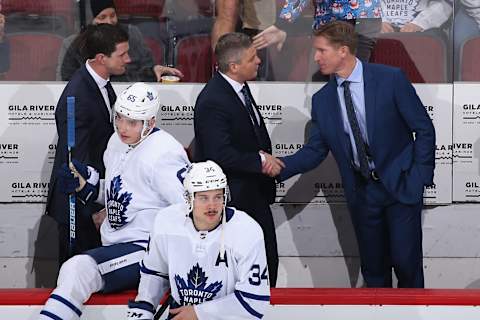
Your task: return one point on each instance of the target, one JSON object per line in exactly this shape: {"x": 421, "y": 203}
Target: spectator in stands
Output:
{"x": 142, "y": 67}
{"x": 415, "y": 15}
{"x": 466, "y": 26}
{"x": 258, "y": 20}
{"x": 363, "y": 14}
{"x": 4, "y": 47}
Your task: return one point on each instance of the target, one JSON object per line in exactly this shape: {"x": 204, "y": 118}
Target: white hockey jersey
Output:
{"x": 189, "y": 262}
{"x": 139, "y": 182}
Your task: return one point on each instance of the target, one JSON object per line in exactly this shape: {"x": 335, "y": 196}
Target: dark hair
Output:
{"x": 339, "y": 33}
{"x": 229, "y": 49}
{"x": 101, "y": 38}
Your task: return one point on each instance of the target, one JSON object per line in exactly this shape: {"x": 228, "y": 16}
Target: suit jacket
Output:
{"x": 225, "y": 134}
{"x": 92, "y": 132}
{"x": 393, "y": 112}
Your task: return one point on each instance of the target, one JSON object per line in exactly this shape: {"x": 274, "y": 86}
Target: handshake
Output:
{"x": 272, "y": 166}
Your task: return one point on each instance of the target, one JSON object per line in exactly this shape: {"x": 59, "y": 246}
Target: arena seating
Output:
{"x": 469, "y": 66}
{"x": 423, "y": 57}
{"x": 33, "y": 56}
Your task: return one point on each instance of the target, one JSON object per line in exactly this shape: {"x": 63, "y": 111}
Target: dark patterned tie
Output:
{"x": 249, "y": 105}
{"x": 112, "y": 97}
{"x": 357, "y": 134}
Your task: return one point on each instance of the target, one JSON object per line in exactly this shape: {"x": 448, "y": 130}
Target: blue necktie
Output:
{"x": 357, "y": 134}
{"x": 112, "y": 97}
{"x": 249, "y": 105}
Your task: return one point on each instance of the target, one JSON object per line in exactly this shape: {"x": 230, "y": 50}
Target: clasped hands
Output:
{"x": 272, "y": 166}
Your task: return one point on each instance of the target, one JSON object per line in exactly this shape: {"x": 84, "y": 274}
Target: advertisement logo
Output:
{"x": 9, "y": 153}
{"x": 29, "y": 191}
{"x": 175, "y": 115}
{"x": 286, "y": 149}
{"x": 472, "y": 191}
{"x": 443, "y": 154}
{"x": 462, "y": 152}
{"x": 31, "y": 115}
{"x": 471, "y": 113}
{"x": 271, "y": 113}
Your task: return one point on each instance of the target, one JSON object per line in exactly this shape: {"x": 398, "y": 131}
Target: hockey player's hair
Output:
{"x": 100, "y": 38}
{"x": 229, "y": 49}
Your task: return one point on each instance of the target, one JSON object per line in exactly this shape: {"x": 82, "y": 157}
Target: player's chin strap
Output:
{"x": 145, "y": 133}
{"x": 222, "y": 235}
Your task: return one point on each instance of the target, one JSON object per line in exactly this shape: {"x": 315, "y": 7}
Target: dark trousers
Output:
{"x": 87, "y": 237}
{"x": 260, "y": 211}
{"x": 389, "y": 234}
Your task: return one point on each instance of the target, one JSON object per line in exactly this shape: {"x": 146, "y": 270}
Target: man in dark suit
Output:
{"x": 107, "y": 50}
{"x": 230, "y": 130}
{"x": 371, "y": 119}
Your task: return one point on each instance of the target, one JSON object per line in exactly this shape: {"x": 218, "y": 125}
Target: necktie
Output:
{"x": 249, "y": 105}
{"x": 112, "y": 97}
{"x": 357, "y": 135}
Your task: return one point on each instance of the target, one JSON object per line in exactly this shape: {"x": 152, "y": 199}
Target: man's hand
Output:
{"x": 387, "y": 28}
{"x": 98, "y": 218}
{"x": 184, "y": 313}
{"x": 270, "y": 36}
{"x": 411, "y": 27}
{"x": 162, "y": 70}
{"x": 272, "y": 166}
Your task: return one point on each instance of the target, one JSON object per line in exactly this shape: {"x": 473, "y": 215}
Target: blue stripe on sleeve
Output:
{"x": 50, "y": 315}
{"x": 151, "y": 272}
{"x": 249, "y": 295}
{"x": 67, "y": 303}
{"x": 247, "y": 307}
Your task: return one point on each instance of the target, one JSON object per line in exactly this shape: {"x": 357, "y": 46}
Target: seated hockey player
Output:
{"x": 144, "y": 167}
{"x": 210, "y": 256}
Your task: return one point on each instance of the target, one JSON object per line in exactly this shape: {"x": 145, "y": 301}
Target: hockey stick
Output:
{"x": 167, "y": 298}
{"x": 70, "y": 145}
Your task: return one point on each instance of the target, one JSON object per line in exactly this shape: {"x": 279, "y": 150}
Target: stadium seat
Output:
{"x": 469, "y": 66}
{"x": 50, "y": 16}
{"x": 152, "y": 9}
{"x": 193, "y": 56}
{"x": 158, "y": 50}
{"x": 423, "y": 57}
{"x": 292, "y": 63}
{"x": 33, "y": 56}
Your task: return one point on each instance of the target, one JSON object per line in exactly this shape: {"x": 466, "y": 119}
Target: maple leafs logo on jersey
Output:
{"x": 117, "y": 203}
{"x": 195, "y": 290}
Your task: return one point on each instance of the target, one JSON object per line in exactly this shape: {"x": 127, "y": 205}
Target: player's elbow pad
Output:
{"x": 139, "y": 310}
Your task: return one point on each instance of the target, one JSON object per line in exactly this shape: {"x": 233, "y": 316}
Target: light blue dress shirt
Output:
{"x": 358, "y": 98}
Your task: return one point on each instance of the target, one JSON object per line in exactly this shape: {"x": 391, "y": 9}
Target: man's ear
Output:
{"x": 99, "y": 58}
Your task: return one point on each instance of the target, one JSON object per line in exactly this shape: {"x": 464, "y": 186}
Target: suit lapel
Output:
{"x": 96, "y": 90}
{"x": 337, "y": 123}
{"x": 370, "y": 90}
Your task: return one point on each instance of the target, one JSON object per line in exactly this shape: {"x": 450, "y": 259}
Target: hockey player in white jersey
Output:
{"x": 144, "y": 167}
{"x": 212, "y": 257}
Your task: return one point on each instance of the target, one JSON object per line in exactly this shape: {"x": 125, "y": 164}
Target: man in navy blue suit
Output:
{"x": 107, "y": 52}
{"x": 371, "y": 119}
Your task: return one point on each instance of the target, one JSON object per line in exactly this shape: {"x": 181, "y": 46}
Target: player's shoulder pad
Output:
{"x": 242, "y": 226}
{"x": 169, "y": 219}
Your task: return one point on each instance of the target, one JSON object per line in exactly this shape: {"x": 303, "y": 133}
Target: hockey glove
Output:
{"x": 139, "y": 310}
{"x": 79, "y": 178}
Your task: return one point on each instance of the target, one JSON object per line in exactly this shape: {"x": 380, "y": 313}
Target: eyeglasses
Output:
{"x": 204, "y": 199}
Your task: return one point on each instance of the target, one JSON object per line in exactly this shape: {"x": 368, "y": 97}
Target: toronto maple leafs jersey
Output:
{"x": 140, "y": 181}
{"x": 189, "y": 262}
